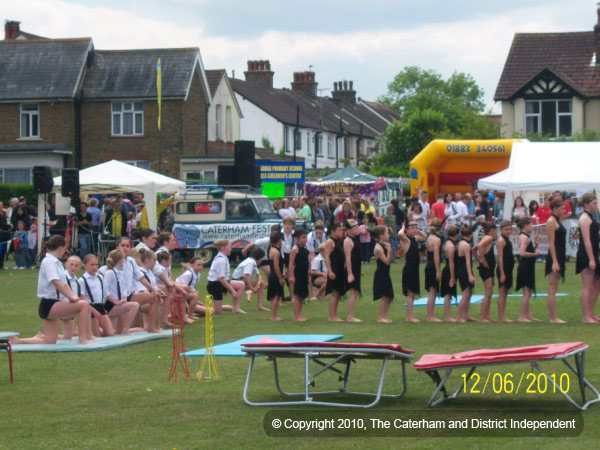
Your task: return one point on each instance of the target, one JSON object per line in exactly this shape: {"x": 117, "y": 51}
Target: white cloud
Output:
{"x": 476, "y": 46}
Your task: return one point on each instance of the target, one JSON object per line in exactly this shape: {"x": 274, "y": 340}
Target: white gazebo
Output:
{"x": 118, "y": 177}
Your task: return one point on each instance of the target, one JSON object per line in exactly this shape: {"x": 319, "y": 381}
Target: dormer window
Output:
{"x": 549, "y": 117}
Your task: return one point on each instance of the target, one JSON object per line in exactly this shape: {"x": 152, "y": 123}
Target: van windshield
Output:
{"x": 265, "y": 207}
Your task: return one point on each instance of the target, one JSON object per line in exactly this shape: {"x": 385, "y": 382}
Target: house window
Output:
{"x": 15, "y": 176}
{"x": 228, "y": 132}
{"x": 218, "y": 123}
{"x": 319, "y": 145}
{"x": 551, "y": 117}
{"x": 330, "y": 147}
{"x": 201, "y": 175}
{"x": 138, "y": 163}
{"x": 128, "y": 119}
{"x": 297, "y": 139}
{"x": 308, "y": 150}
{"x": 30, "y": 121}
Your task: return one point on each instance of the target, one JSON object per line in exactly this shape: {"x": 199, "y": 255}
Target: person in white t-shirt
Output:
{"x": 57, "y": 300}
{"x": 318, "y": 274}
{"x": 245, "y": 272}
{"x": 218, "y": 279}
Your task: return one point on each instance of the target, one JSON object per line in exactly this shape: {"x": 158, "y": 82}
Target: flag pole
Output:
{"x": 159, "y": 105}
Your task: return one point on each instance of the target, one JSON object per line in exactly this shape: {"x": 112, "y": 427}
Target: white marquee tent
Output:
{"x": 118, "y": 177}
{"x": 546, "y": 167}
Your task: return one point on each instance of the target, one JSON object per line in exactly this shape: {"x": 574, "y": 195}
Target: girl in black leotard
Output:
{"x": 504, "y": 271}
{"x": 353, "y": 267}
{"x": 464, "y": 273}
{"x": 298, "y": 270}
{"x": 382, "y": 283}
{"x": 336, "y": 273}
{"x": 448, "y": 284}
{"x": 276, "y": 278}
{"x": 587, "y": 257}
{"x": 484, "y": 250}
{"x": 410, "y": 273}
{"x": 526, "y": 269}
{"x": 556, "y": 258}
{"x": 433, "y": 268}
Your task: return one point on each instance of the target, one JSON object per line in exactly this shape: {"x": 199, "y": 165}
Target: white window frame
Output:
{"x": 330, "y": 149}
{"x": 218, "y": 135}
{"x": 30, "y": 115}
{"x": 137, "y": 163}
{"x": 558, "y": 115}
{"x": 126, "y": 108}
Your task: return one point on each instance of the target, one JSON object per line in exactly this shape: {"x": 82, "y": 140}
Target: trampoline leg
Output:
{"x": 306, "y": 377}
{"x": 346, "y": 376}
{"x": 247, "y": 384}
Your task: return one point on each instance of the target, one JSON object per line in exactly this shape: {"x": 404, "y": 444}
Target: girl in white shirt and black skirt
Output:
{"x": 116, "y": 304}
{"x": 57, "y": 300}
{"x": 218, "y": 280}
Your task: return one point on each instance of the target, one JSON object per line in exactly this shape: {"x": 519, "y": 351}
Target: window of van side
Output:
{"x": 242, "y": 209}
{"x": 199, "y": 207}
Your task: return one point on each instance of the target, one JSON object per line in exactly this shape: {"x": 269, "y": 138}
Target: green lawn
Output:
{"x": 121, "y": 398}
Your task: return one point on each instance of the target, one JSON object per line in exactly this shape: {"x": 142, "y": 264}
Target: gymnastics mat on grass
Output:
{"x": 476, "y": 298}
{"x": 104, "y": 343}
{"x": 235, "y": 348}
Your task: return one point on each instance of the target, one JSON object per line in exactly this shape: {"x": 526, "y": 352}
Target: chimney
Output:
{"x": 344, "y": 90}
{"x": 305, "y": 82}
{"x": 11, "y": 30}
{"x": 260, "y": 73}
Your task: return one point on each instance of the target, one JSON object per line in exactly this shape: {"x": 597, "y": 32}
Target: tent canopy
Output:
{"x": 118, "y": 177}
{"x": 348, "y": 174}
{"x": 549, "y": 166}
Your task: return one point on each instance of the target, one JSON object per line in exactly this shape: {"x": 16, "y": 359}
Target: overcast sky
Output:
{"x": 367, "y": 41}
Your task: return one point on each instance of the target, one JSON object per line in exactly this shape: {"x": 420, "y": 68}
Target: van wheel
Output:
{"x": 206, "y": 255}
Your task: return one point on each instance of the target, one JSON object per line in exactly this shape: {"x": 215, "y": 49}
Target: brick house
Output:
{"x": 550, "y": 83}
{"x": 298, "y": 122}
{"x": 40, "y": 96}
{"x": 65, "y": 104}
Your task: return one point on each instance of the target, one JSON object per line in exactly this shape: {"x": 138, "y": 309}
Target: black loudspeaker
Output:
{"x": 70, "y": 183}
{"x": 226, "y": 175}
{"x": 42, "y": 179}
{"x": 245, "y": 174}
{"x": 244, "y": 152}
{"x": 257, "y": 182}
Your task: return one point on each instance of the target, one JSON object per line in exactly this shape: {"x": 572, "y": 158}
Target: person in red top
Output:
{"x": 544, "y": 212}
{"x": 345, "y": 213}
{"x": 568, "y": 211}
{"x": 438, "y": 208}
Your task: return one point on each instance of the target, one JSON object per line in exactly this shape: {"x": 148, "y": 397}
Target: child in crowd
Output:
{"x": 504, "y": 271}
{"x": 318, "y": 274}
{"x": 409, "y": 243}
{"x": 276, "y": 278}
{"x": 464, "y": 273}
{"x": 526, "y": 269}
{"x": 336, "y": 271}
{"x": 187, "y": 283}
{"x": 21, "y": 248}
{"x": 448, "y": 284}
{"x": 433, "y": 268}
{"x": 484, "y": 252}
{"x": 91, "y": 286}
{"x": 150, "y": 298}
{"x": 298, "y": 273}
{"x": 364, "y": 237}
{"x": 131, "y": 223}
{"x": 382, "y": 283}
{"x": 72, "y": 267}
{"x": 248, "y": 269}
{"x": 116, "y": 303}
{"x": 218, "y": 279}
{"x": 32, "y": 242}
{"x": 353, "y": 267}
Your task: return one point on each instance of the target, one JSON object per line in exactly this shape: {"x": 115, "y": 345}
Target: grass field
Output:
{"x": 121, "y": 398}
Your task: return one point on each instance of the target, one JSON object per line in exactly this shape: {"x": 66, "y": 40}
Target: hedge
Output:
{"x": 8, "y": 191}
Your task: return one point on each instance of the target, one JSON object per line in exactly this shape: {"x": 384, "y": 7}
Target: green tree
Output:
{"x": 431, "y": 107}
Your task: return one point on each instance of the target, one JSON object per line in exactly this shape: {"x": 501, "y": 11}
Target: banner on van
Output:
{"x": 282, "y": 172}
{"x": 200, "y": 236}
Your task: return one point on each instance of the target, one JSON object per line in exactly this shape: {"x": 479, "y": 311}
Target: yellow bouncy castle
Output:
{"x": 455, "y": 166}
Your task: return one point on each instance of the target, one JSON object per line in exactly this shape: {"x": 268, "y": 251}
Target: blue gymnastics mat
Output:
{"x": 235, "y": 348}
{"x": 7, "y": 334}
{"x": 99, "y": 344}
{"x": 477, "y": 298}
